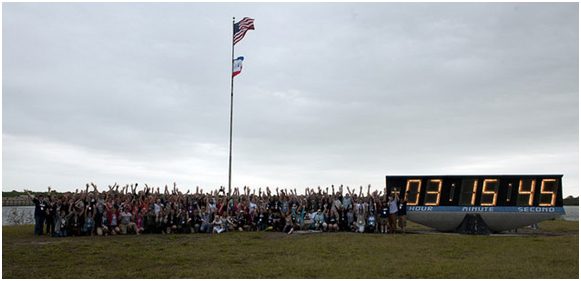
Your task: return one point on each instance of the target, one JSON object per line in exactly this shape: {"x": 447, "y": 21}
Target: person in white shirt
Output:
{"x": 392, "y": 212}
{"x": 126, "y": 222}
{"x": 218, "y": 225}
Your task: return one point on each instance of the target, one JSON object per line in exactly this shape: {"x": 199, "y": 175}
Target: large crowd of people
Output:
{"x": 128, "y": 210}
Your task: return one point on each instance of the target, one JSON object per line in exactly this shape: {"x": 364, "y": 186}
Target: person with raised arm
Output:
{"x": 373, "y": 208}
{"x": 114, "y": 221}
{"x": 392, "y": 204}
{"x": 62, "y": 224}
{"x": 217, "y": 224}
{"x": 39, "y": 212}
{"x": 51, "y": 214}
{"x": 284, "y": 203}
{"x": 90, "y": 201}
{"x": 289, "y": 223}
{"x": 383, "y": 215}
{"x": 346, "y": 199}
{"x": 353, "y": 198}
{"x": 402, "y": 212}
{"x": 76, "y": 222}
{"x": 337, "y": 199}
{"x": 99, "y": 203}
{"x": 306, "y": 222}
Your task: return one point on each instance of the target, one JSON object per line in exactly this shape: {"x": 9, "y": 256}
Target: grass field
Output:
{"x": 551, "y": 252}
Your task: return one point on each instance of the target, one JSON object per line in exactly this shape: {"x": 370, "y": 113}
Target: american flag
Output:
{"x": 241, "y": 27}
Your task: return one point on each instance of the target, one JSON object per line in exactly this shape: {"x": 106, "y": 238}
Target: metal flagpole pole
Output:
{"x": 231, "y": 107}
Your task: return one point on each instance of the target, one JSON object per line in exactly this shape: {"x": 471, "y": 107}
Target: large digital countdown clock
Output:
{"x": 504, "y": 202}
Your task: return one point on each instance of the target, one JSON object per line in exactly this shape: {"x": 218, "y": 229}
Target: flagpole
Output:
{"x": 231, "y": 106}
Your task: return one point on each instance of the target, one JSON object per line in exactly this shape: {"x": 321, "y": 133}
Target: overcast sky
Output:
{"x": 330, "y": 93}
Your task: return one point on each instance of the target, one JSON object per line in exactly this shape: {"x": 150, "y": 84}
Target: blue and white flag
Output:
{"x": 237, "y": 66}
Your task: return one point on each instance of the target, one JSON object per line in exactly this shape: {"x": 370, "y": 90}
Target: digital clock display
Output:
{"x": 486, "y": 191}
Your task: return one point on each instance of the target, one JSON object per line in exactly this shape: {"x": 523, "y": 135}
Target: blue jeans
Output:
{"x": 62, "y": 233}
{"x": 39, "y": 223}
{"x": 205, "y": 227}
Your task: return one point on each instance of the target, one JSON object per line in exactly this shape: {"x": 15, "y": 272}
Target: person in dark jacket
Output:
{"x": 39, "y": 212}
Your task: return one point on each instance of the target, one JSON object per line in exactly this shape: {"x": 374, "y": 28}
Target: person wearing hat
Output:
{"x": 39, "y": 212}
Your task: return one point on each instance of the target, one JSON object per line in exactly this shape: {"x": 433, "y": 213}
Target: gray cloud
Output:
{"x": 330, "y": 93}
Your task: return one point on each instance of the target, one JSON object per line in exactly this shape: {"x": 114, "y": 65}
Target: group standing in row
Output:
{"x": 129, "y": 210}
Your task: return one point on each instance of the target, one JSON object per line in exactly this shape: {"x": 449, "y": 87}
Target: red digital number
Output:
{"x": 528, "y": 193}
{"x": 433, "y": 192}
{"x": 413, "y": 187}
{"x": 487, "y": 193}
{"x": 544, "y": 193}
